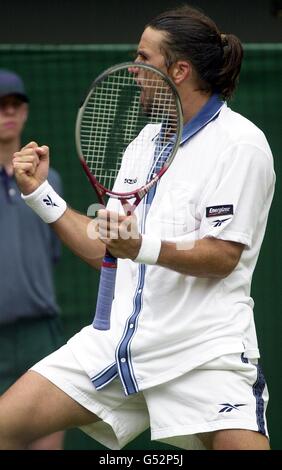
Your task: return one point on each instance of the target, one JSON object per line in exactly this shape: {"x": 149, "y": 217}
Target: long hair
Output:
{"x": 190, "y": 35}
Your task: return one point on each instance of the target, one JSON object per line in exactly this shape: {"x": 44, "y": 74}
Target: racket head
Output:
{"x": 120, "y": 104}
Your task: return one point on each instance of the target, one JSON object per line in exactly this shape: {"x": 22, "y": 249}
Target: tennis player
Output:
{"x": 181, "y": 355}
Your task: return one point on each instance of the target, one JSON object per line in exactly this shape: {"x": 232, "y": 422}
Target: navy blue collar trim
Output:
{"x": 206, "y": 114}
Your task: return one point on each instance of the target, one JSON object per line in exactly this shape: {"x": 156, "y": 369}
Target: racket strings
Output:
{"x": 118, "y": 108}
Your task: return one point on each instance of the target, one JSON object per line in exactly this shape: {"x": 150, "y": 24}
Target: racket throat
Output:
{"x": 127, "y": 207}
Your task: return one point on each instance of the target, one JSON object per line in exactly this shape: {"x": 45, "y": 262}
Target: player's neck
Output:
{"x": 7, "y": 149}
{"x": 193, "y": 104}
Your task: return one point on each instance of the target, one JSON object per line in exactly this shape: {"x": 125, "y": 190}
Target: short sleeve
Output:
{"x": 238, "y": 195}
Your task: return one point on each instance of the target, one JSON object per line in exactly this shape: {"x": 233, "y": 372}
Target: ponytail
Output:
{"x": 228, "y": 76}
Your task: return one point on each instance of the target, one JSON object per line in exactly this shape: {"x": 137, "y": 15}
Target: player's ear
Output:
{"x": 180, "y": 71}
{"x": 25, "y": 111}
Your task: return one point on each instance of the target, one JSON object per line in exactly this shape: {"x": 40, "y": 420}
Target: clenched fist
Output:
{"x": 31, "y": 165}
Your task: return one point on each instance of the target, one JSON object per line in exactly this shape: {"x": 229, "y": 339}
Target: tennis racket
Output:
{"x": 130, "y": 123}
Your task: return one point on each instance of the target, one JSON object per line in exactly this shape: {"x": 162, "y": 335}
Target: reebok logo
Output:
{"x": 48, "y": 201}
{"x": 215, "y": 211}
{"x": 219, "y": 222}
{"x": 227, "y": 407}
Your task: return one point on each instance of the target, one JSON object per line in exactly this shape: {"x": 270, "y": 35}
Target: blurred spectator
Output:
{"x": 29, "y": 324}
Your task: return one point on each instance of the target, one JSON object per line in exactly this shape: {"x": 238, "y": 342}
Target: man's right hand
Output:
{"x": 31, "y": 165}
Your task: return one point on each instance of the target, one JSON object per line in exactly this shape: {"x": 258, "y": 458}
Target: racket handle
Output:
{"x": 106, "y": 291}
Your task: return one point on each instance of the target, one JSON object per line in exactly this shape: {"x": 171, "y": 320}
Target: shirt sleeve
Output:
{"x": 237, "y": 195}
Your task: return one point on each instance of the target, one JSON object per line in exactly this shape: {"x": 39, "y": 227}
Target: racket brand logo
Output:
{"x": 130, "y": 180}
{"x": 215, "y": 211}
{"x": 48, "y": 201}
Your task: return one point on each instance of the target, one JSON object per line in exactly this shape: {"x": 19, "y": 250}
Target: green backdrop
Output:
{"x": 56, "y": 79}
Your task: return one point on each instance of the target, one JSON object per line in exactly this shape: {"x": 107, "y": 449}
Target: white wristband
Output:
{"x": 149, "y": 251}
{"x": 46, "y": 203}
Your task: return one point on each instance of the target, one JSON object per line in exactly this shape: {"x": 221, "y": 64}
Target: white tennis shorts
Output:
{"x": 226, "y": 393}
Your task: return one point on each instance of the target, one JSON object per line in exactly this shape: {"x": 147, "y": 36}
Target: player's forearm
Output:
{"x": 77, "y": 232}
{"x": 211, "y": 258}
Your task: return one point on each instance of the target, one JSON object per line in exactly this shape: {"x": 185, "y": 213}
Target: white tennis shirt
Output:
{"x": 163, "y": 324}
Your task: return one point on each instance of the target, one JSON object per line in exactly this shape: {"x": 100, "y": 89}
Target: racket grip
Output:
{"x": 106, "y": 291}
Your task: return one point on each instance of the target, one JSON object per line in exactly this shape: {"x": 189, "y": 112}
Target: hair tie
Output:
{"x": 224, "y": 41}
